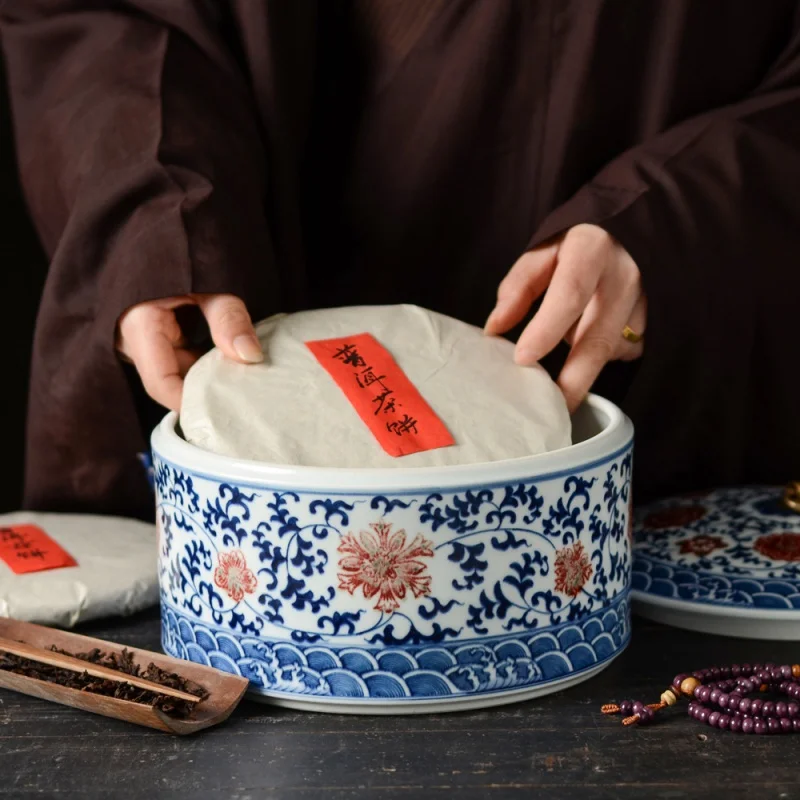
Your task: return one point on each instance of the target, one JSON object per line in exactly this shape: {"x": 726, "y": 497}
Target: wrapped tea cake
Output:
{"x": 373, "y": 387}
{"x": 62, "y": 569}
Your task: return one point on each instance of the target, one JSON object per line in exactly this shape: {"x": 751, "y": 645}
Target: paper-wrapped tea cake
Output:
{"x": 62, "y": 569}
{"x": 373, "y": 387}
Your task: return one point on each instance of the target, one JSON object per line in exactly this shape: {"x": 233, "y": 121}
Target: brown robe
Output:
{"x": 302, "y": 153}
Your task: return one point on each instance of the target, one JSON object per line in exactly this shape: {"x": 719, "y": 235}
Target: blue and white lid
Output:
{"x": 725, "y": 562}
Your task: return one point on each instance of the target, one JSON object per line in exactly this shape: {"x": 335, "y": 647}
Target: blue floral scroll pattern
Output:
{"x": 496, "y": 551}
{"x": 394, "y": 674}
{"x": 733, "y": 569}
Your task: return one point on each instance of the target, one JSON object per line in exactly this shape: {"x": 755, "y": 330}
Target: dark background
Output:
{"x": 23, "y": 266}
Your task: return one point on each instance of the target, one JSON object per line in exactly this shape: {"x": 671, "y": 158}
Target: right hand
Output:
{"x": 149, "y": 336}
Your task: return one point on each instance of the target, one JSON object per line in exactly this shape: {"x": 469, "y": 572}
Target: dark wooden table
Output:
{"x": 556, "y": 747}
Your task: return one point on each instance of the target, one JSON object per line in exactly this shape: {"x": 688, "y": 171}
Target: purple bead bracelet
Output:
{"x": 719, "y": 696}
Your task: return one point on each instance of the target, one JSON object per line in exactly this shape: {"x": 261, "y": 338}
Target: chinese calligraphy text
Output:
{"x": 27, "y": 548}
{"x": 381, "y": 394}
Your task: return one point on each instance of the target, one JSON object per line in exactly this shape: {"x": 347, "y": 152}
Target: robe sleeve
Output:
{"x": 138, "y": 148}
{"x": 710, "y": 212}
{"x": 142, "y": 163}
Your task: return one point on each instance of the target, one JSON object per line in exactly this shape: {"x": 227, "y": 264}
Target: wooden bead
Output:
{"x": 689, "y": 685}
{"x": 668, "y": 698}
{"x": 796, "y": 670}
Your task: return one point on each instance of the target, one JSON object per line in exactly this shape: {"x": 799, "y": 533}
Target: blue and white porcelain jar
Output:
{"x": 403, "y": 590}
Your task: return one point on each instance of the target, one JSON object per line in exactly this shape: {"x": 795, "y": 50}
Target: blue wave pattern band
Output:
{"x": 449, "y": 670}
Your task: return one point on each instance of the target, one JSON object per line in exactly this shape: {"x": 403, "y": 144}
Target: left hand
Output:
{"x": 592, "y": 289}
{"x": 150, "y": 337}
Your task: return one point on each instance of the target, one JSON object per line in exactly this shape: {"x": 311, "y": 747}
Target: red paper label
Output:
{"x": 382, "y": 395}
{"x": 26, "y": 548}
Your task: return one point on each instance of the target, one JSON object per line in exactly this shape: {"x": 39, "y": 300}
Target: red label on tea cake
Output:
{"x": 382, "y": 395}
{"x": 26, "y": 548}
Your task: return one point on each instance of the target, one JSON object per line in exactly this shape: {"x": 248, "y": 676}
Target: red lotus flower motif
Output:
{"x": 702, "y": 545}
{"x": 779, "y": 546}
{"x": 674, "y": 517}
{"x": 573, "y": 569}
{"x": 382, "y": 564}
{"x": 233, "y": 575}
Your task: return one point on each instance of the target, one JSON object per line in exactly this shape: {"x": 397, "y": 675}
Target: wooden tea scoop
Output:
{"x": 78, "y": 665}
{"x": 34, "y": 642}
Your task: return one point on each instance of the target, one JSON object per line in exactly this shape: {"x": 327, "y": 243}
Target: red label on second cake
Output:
{"x": 27, "y": 548}
{"x": 382, "y": 395}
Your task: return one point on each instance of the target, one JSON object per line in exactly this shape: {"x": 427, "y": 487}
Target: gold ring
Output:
{"x": 630, "y": 335}
{"x": 791, "y": 498}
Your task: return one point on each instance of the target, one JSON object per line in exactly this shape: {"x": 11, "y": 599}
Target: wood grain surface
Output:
{"x": 557, "y": 747}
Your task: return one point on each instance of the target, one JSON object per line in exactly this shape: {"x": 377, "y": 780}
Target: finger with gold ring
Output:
{"x": 631, "y": 336}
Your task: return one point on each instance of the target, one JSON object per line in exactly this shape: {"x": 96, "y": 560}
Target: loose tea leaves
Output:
{"x": 121, "y": 662}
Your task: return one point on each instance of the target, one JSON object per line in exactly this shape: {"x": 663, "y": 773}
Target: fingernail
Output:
{"x": 573, "y": 404}
{"x": 525, "y": 358}
{"x": 248, "y": 349}
{"x": 573, "y": 398}
{"x": 496, "y": 317}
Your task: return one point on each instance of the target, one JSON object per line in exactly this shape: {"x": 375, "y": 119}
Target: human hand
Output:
{"x": 592, "y": 290}
{"x": 149, "y": 336}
